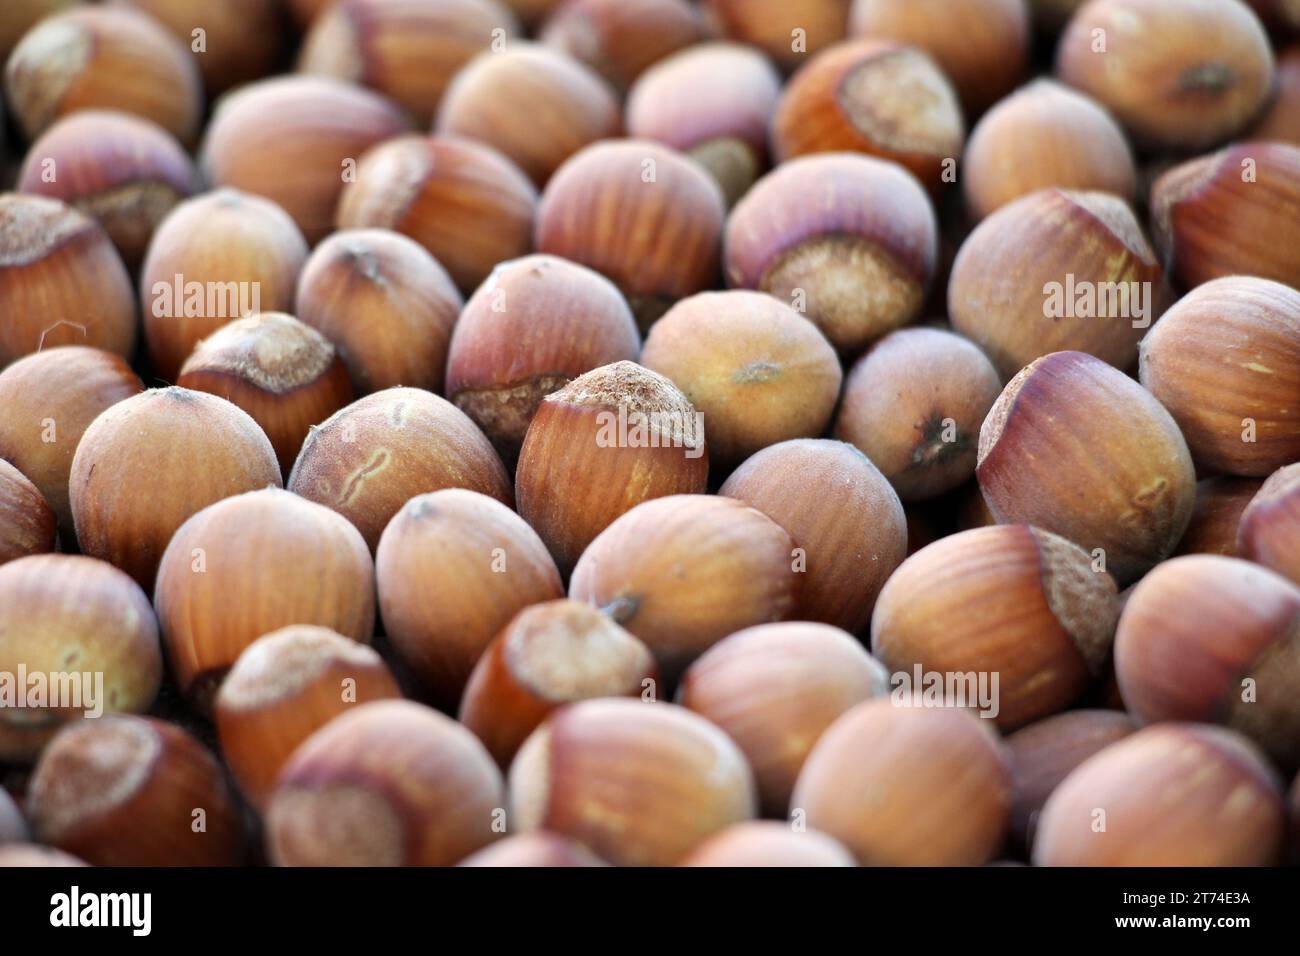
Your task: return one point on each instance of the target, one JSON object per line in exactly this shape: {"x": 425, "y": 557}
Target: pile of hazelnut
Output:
{"x": 650, "y": 432}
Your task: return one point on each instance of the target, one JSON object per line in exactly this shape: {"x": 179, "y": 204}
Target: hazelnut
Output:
{"x": 110, "y": 58}
{"x": 847, "y": 523}
{"x": 220, "y": 256}
{"x": 1045, "y": 135}
{"x": 284, "y": 374}
{"x": 13, "y": 828}
{"x": 1229, "y": 214}
{"x": 875, "y": 97}
{"x": 535, "y": 849}
{"x": 907, "y": 787}
{"x": 534, "y": 325}
{"x": 621, "y": 38}
{"x": 368, "y": 459}
{"x": 454, "y": 567}
{"x": 55, "y": 394}
{"x": 133, "y": 791}
{"x": 386, "y": 304}
{"x": 1269, "y": 533}
{"x": 642, "y": 214}
{"x": 713, "y": 102}
{"x": 311, "y": 567}
{"x": 1282, "y": 16}
{"x": 757, "y": 370}
{"x": 605, "y": 442}
{"x": 1225, "y": 361}
{"x": 1045, "y": 753}
{"x": 61, "y": 281}
{"x": 1057, "y": 270}
{"x": 124, "y": 171}
{"x": 914, "y": 405}
{"x": 1214, "y": 639}
{"x": 1039, "y": 462}
{"x": 463, "y": 201}
{"x": 31, "y": 854}
{"x": 284, "y": 687}
{"x": 549, "y": 655}
{"x": 639, "y": 784}
{"x": 774, "y": 689}
{"x": 390, "y": 783}
{"x": 315, "y": 126}
{"x": 683, "y": 572}
{"x": 1172, "y": 795}
{"x": 848, "y": 240}
{"x": 768, "y": 843}
{"x": 1179, "y": 76}
{"x": 1020, "y": 610}
{"x": 20, "y": 16}
{"x": 72, "y": 620}
{"x": 26, "y": 521}
{"x": 150, "y": 461}
{"x": 788, "y": 31}
{"x": 406, "y": 49}
{"x": 983, "y": 45}
{"x": 535, "y": 105}
{"x": 1216, "y": 515}
{"x": 242, "y": 39}
{"x": 1281, "y": 121}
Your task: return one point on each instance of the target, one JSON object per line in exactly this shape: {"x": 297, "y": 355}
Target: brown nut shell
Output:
{"x": 391, "y": 783}
{"x": 316, "y": 126}
{"x": 876, "y": 97}
{"x": 88, "y": 629}
{"x": 607, "y": 441}
{"x": 215, "y": 258}
{"x": 907, "y": 787}
{"x": 1281, "y": 121}
{"x": 683, "y": 572}
{"x": 1180, "y": 76}
{"x": 26, "y": 521}
{"x": 1170, "y": 795}
{"x": 1215, "y": 639}
{"x": 61, "y": 281}
{"x": 1232, "y": 213}
{"x": 386, "y": 304}
{"x": 1225, "y": 361}
{"x": 536, "y": 324}
{"x": 284, "y": 374}
{"x": 535, "y": 105}
{"x": 983, "y": 45}
{"x": 113, "y": 58}
{"x": 788, "y": 31}
{"x": 1043, "y": 135}
{"x": 1269, "y": 532}
{"x": 549, "y": 655}
{"x": 847, "y": 524}
{"x": 914, "y": 405}
{"x": 768, "y": 843}
{"x": 1039, "y": 462}
{"x": 639, "y": 784}
{"x": 312, "y": 568}
{"x": 1021, "y": 612}
{"x": 1216, "y": 517}
{"x": 454, "y": 567}
{"x": 1053, "y": 271}
{"x": 757, "y": 370}
{"x": 640, "y": 213}
{"x": 409, "y": 50}
{"x": 534, "y": 849}
{"x": 286, "y": 685}
{"x": 369, "y": 459}
{"x": 134, "y": 791}
{"x": 467, "y": 204}
{"x": 774, "y": 689}
{"x": 848, "y": 240}
{"x": 125, "y": 172}
{"x": 620, "y": 39}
